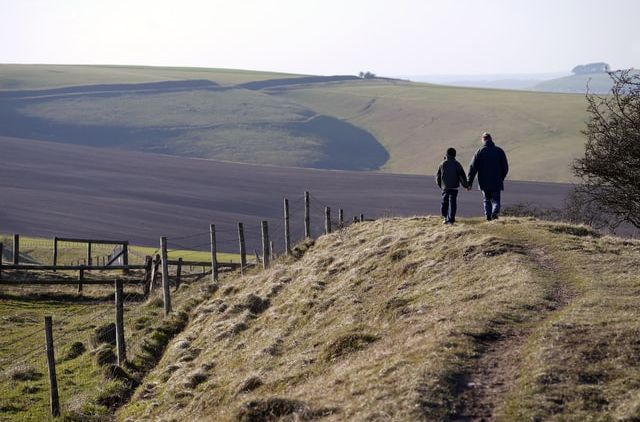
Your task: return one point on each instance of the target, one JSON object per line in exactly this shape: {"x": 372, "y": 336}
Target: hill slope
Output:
{"x": 599, "y": 83}
{"x": 404, "y": 319}
{"x": 416, "y": 123}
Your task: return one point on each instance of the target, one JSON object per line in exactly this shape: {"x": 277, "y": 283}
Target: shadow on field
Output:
{"x": 345, "y": 146}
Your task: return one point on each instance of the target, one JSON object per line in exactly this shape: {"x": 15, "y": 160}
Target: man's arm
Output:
{"x": 505, "y": 165}
{"x": 439, "y": 177}
{"x": 473, "y": 170}
{"x": 462, "y": 176}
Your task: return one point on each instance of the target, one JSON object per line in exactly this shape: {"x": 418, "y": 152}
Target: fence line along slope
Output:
{"x": 405, "y": 319}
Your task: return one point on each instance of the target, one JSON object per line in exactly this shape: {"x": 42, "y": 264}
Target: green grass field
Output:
{"x": 86, "y": 390}
{"x": 40, "y": 250}
{"x": 417, "y": 122}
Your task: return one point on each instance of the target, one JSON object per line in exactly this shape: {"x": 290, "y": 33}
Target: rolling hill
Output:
{"x": 404, "y": 319}
{"x": 317, "y": 122}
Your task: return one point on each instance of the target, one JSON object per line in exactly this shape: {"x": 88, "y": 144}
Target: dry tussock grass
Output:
{"x": 386, "y": 320}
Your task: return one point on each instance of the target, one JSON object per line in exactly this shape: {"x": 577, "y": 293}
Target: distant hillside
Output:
{"x": 599, "y": 83}
{"x": 42, "y": 76}
{"x": 404, "y": 319}
{"x": 330, "y": 122}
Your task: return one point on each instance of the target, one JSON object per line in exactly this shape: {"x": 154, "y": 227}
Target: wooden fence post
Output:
{"x": 327, "y": 220}
{"x": 147, "y": 275}
{"x": 271, "y": 250}
{"x": 154, "y": 271}
{"x": 341, "y": 218}
{"x": 51, "y": 362}
{"x": 265, "y": 245}
{"x": 243, "y": 249}
{"x": 89, "y": 253}
{"x": 166, "y": 294}
{"x": 362, "y": 218}
{"x": 16, "y": 249}
{"x": 287, "y": 232}
{"x": 80, "y": 279}
{"x": 125, "y": 255}
{"x": 307, "y": 216}
{"x": 55, "y": 251}
{"x": 214, "y": 254}
{"x": 178, "y": 273}
{"x": 355, "y": 219}
{"x": 1, "y": 251}
{"x": 120, "y": 344}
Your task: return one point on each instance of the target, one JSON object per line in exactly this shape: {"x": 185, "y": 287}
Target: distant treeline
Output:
{"x": 599, "y": 67}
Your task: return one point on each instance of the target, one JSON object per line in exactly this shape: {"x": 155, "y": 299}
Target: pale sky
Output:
{"x": 399, "y": 37}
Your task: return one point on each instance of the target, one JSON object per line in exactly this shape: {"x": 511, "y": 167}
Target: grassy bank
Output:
{"x": 404, "y": 319}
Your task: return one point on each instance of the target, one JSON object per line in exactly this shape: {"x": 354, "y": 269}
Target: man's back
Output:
{"x": 491, "y": 166}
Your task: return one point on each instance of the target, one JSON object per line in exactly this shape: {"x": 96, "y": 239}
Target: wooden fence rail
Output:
{"x": 63, "y": 281}
{"x": 28, "y": 267}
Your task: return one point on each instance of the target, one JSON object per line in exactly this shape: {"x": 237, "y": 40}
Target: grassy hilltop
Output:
{"x": 404, "y": 319}
{"x": 259, "y": 117}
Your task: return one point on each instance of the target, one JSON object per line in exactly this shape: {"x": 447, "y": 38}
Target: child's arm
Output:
{"x": 462, "y": 176}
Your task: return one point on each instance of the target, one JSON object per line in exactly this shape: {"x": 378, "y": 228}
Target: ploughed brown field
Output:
{"x": 49, "y": 189}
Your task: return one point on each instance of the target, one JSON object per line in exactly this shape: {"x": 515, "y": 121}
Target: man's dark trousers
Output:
{"x": 491, "y": 204}
{"x": 449, "y": 204}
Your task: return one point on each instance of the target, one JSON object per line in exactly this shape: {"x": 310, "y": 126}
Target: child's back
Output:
{"x": 449, "y": 177}
{"x": 451, "y": 174}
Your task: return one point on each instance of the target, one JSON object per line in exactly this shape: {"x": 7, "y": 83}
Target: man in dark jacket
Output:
{"x": 491, "y": 166}
{"x": 449, "y": 177}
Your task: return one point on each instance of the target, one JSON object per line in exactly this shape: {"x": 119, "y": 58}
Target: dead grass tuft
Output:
{"x": 74, "y": 350}
{"x": 573, "y": 230}
{"x": 105, "y": 355}
{"x": 348, "y": 343}
{"x": 250, "y": 384}
{"x": 24, "y": 373}
{"x": 103, "y": 334}
{"x": 274, "y": 409}
{"x": 255, "y": 304}
{"x": 196, "y": 378}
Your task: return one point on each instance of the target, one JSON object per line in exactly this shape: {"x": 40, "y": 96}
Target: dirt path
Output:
{"x": 495, "y": 374}
{"x": 498, "y": 368}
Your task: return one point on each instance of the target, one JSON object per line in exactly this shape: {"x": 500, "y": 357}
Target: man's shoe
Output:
{"x": 494, "y": 216}
{"x": 445, "y": 222}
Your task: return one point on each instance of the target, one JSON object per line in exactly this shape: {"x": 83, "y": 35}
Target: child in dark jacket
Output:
{"x": 449, "y": 177}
